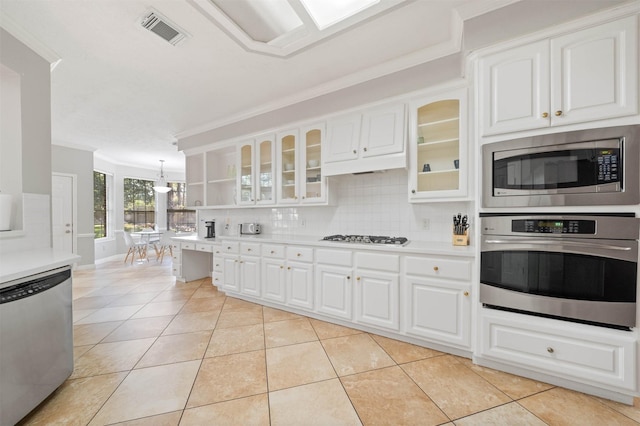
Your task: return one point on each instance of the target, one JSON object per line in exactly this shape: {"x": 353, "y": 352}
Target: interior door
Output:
{"x": 62, "y": 197}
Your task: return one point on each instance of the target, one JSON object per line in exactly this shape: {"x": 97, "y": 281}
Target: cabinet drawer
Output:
{"x": 177, "y": 256}
{"x": 378, "y": 261}
{"x": 602, "y": 356}
{"x": 217, "y": 264}
{"x": 204, "y": 247}
{"x": 177, "y": 270}
{"x": 188, "y": 246}
{"x": 334, "y": 257}
{"x": 175, "y": 247}
{"x": 274, "y": 251}
{"x": 250, "y": 248}
{"x": 230, "y": 247}
{"x": 441, "y": 268}
{"x": 302, "y": 254}
{"x": 216, "y": 279}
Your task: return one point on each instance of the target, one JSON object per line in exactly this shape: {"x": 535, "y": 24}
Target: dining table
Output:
{"x": 149, "y": 237}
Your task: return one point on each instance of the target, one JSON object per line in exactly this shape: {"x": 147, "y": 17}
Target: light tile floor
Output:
{"x": 153, "y": 351}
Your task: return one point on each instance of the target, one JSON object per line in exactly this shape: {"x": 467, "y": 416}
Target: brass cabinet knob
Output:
{"x": 299, "y": 254}
{"x": 281, "y": 267}
{"x": 413, "y": 191}
{"x": 217, "y": 264}
{"x": 248, "y": 249}
{"x": 435, "y": 268}
{"x": 550, "y": 350}
{"x": 558, "y": 113}
{"x": 358, "y": 278}
{"x": 228, "y": 248}
{"x": 466, "y": 293}
{"x": 365, "y": 149}
{"x": 348, "y": 277}
{"x": 545, "y": 114}
{"x": 288, "y": 267}
{"x": 273, "y": 252}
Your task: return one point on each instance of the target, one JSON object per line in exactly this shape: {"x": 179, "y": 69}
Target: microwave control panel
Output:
{"x": 553, "y": 226}
{"x": 608, "y": 165}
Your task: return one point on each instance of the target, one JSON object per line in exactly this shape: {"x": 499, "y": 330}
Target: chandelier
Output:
{"x": 161, "y": 185}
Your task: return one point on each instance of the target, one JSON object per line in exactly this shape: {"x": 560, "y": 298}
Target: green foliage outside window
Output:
{"x": 139, "y": 205}
{"x": 99, "y": 205}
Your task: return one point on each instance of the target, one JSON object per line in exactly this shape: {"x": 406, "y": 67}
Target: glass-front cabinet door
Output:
{"x": 438, "y": 166}
{"x": 246, "y": 187}
{"x": 288, "y": 157}
{"x": 312, "y": 182}
{"x": 265, "y": 177}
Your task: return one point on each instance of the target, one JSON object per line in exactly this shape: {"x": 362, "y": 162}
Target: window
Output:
{"x": 99, "y": 205}
{"x": 139, "y": 204}
{"x": 179, "y": 218}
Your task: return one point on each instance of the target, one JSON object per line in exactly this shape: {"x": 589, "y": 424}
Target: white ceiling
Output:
{"x": 126, "y": 93}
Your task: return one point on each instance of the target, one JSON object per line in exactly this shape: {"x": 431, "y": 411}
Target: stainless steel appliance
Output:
{"x": 574, "y": 267}
{"x": 367, "y": 239}
{"x": 36, "y": 341}
{"x": 250, "y": 228}
{"x": 582, "y": 168}
{"x": 211, "y": 228}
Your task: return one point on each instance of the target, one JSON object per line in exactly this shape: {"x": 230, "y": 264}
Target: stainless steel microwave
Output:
{"x": 581, "y": 168}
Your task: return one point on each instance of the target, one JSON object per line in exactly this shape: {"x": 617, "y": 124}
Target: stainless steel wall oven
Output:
{"x": 582, "y": 168}
{"x": 574, "y": 267}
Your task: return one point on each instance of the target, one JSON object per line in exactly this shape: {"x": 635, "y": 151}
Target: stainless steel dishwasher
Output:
{"x": 36, "y": 340}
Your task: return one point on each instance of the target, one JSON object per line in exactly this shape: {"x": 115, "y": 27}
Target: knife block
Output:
{"x": 461, "y": 240}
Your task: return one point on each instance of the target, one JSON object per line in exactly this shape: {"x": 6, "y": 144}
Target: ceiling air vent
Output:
{"x": 159, "y": 25}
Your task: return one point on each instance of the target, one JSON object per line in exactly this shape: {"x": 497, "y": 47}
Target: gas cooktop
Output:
{"x": 367, "y": 239}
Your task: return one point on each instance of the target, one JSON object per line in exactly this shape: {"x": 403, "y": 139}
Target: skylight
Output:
{"x": 328, "y": 12}
{"x": 284, "y": 27}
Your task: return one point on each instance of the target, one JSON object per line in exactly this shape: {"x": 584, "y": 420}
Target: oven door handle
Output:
{"x": 564, "y": 243}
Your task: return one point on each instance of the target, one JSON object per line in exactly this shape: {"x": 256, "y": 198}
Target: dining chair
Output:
{"x": 139, "y": 248}
{"x": 165, "y": 244}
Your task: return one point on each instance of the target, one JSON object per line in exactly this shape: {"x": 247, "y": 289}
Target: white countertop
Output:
{"x": 24, "y": 263}
{"x": 415, "y": 247}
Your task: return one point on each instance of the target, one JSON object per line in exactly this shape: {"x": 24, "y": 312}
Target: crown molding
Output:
{"x": 13, "y": 28}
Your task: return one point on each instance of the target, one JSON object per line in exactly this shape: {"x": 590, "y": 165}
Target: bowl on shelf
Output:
{"x": 314, "y": 163}
{"x": 288, "y": 166}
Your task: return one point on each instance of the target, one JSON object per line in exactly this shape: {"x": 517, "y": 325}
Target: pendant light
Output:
{"x": 161, "y": 185}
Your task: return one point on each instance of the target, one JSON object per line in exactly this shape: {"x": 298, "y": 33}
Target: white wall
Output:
{"x": 369, "y": 204}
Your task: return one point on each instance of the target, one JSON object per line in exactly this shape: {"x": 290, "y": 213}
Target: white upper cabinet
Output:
{"x": 255, "y": 181}
{"x": 584, "y": 76}
{"x": 438, "y": 165}
{"x": 300, "y": 168}
{"x": 371, "y": 140}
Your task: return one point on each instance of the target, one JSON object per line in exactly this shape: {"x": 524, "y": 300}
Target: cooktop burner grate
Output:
{"x": 367, "y": 239}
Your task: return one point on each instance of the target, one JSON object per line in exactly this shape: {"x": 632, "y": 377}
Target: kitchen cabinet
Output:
{"x": 195, "y": 179}
{"x": 299, "y": 277}
{"x": 313, "y": 185}
{"x": 437, "y": 304}
{"x": 377, "y": 290}
{"x": 274, "y": 272}
{"x": 373, "y": 139}
{"x": 438, "y": 165}
{"x": 191, "y": 260}
{"x": 583, "y": 76}
{"x": 582, "y": 353}
{"x": 241, "y": 267}
{"x": 334, "y": 273}
{"x": 255, "y": 182}
{"x": 288, "y": 167}
{"x": 301, "y": 179}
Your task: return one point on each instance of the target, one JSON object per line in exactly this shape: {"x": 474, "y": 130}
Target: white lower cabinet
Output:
{"x": 334, "y": 289}
{"x": 438, "y": 309}
{"x": 274, "y": 280}
{"x": 587, "y": 354}
{"x": 230, "y": 280}
{"x": 299, "y": 276}
{"x": 250, "y": 275}
{"x": 377, "y": 290}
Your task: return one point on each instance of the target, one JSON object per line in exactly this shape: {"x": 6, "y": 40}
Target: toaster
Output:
{"x": 249, "y": 228}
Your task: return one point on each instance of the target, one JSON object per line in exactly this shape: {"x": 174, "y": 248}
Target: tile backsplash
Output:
{"x": 368, "y": 204}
